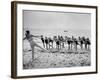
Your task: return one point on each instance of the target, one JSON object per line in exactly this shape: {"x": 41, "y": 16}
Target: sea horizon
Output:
{"x": 61, "y": 32}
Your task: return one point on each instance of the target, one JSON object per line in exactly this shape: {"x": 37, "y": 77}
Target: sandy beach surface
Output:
{"x": 55, "y": 59}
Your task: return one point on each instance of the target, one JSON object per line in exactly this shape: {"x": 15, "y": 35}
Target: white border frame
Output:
{"x": 33, "y": 72}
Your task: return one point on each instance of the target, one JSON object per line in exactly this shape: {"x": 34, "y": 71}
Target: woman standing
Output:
{"x": 43, "y": 41}
{"x": 33, "y": 44}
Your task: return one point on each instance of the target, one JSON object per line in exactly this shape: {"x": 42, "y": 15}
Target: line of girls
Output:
{"x": 60, "y": 42}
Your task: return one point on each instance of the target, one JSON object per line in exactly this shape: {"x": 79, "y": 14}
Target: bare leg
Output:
{"x": 41, "y": 47}
{"x": 59, "y": 45}
{"x": 71, "y": 46}
{"x": 76, "y": 47}
{"x": 49, "y": 45}
{"x": 81, "y": 46}
{"x": 63, "y": 45}
{"x": 56, "y": 46}
{"x": 68, "y": 46}
{"x": 86, "y": 46}
{"x": 52, "y": 44}
{"x": 32, "y": 47}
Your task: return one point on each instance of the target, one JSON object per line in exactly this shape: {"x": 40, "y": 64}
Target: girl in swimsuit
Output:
{"x": 46, "y": 42}
{"x": 33, "y": 44}
{"x": 43, "y": 41}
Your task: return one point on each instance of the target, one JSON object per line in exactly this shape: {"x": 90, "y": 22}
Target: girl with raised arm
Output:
{"x": 30, "y": 39}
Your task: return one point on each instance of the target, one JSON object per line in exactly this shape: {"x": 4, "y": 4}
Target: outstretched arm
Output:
{"x": 24, "y": 38}
{"x": 36, "y": 36}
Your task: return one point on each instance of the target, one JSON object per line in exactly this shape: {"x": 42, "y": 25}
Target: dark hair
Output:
{"x": 27, "y": 31}
{"x": 41, "y": 35}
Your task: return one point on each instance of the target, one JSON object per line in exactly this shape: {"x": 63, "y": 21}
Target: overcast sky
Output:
{"x": 56, "y": 20}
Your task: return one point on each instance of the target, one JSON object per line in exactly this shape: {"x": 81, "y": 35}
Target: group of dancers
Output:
{"x": 63, "y": 41}
{"x": 57, "y": 42}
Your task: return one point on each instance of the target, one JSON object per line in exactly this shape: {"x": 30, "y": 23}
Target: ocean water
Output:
{"x": 51, "y": 33}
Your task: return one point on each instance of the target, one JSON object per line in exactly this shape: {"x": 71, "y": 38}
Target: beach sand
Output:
{"x": 55, "y": 59}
